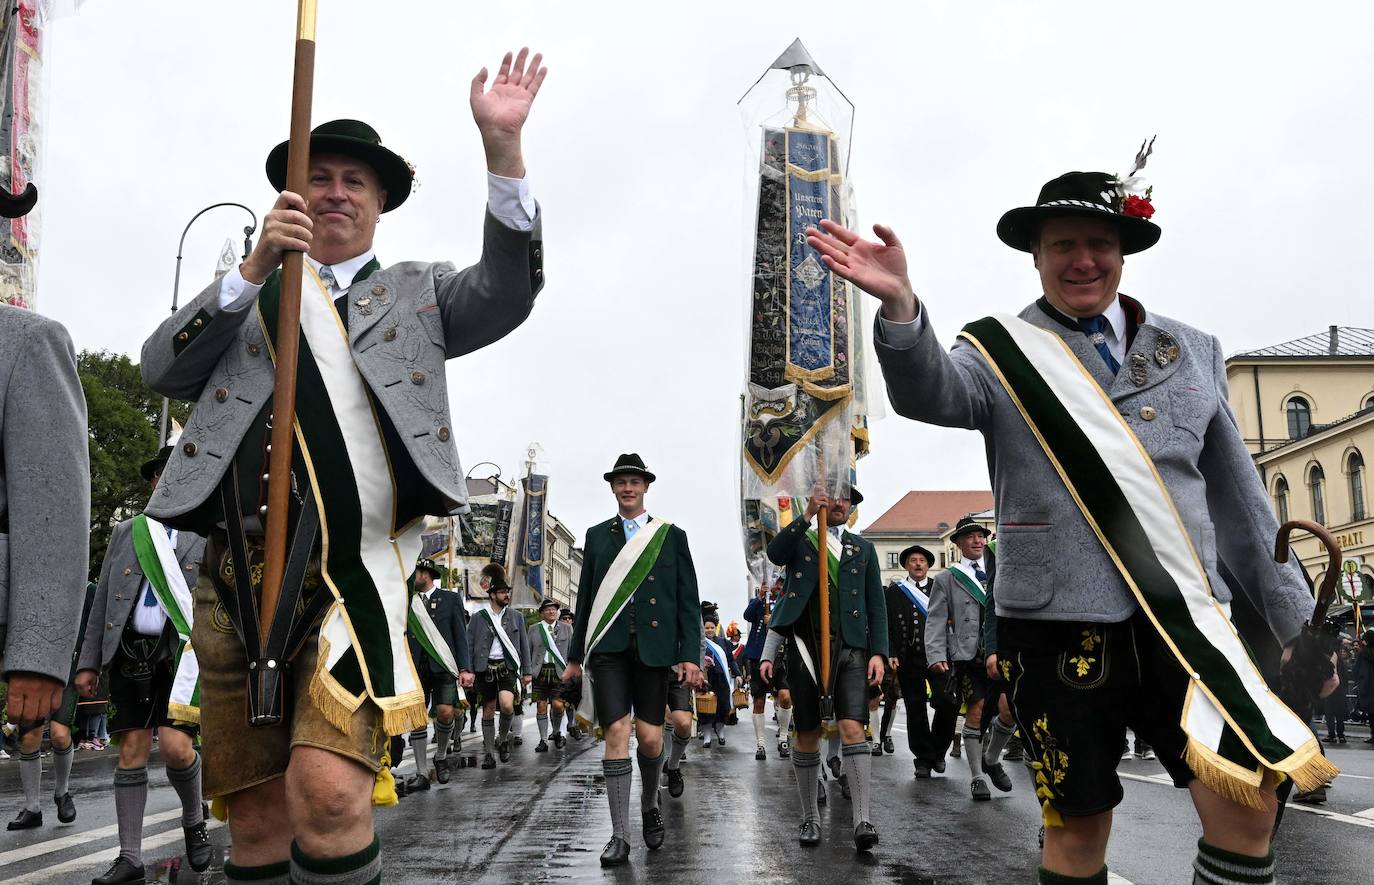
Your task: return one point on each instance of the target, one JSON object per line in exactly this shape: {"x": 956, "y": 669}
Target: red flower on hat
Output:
{"x": 1138, "y": 207}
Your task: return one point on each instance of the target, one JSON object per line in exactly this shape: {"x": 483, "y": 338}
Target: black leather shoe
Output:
{"x": 998, "y": 775}
{"x": 26, "y": 820}
{"x": 417, "y": 783}
{"x": 519, "y": 741}
{"x": 844, "y": 787}
{"x": 833, "y": 763}
{"x": 541, "y": 747}
{"x": 503, "y": 751}
{"x": 653, "y": 829}
{"x": 675, "y": 782}
{"x": 760, "y": 754}
{"x": 821, "y": 796}
{"x": 66, "y": 808}
{"x": 888, "y": 747}
{"x": 809, "y": 833}
{"x": 939, "y": 765}
{"x": 922, "y": 770}
{"x": 400, "y": 788}
{"x": 441, "y": 772}
{"x": 199, "y": 851}
{"x": 574, "y": 732}
{"x": 122, "y": 872}
{"x": 488, "y": 761}
{"x": 616, "y": 853}
{"x": 559, "y": 742}
{"x": 784, "y": 749}
{"x": 865, "y": 836}
{"x": 877, "y": 748}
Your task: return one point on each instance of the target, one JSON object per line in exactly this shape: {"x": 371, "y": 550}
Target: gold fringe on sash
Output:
{"x": 183, "y": 713}
{"x": 400, "y": 714}
{"x": 1241, "y": 785}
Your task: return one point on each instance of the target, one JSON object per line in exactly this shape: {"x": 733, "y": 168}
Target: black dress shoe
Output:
{"x": 998, "y": 775}
{"x": 675, "y": 782}
{"x": 26, "y": 820}
{"x": 199, "y": 851}
{"x": 833, "y": 763}
{"x": 559, "y": 741}
{"x": 844, "y": 787}
{"x": 616, "y": 852}
{"x": 416, "y": 783}
{"x": 519, "y": 741}
{"x": 488, "y": 761}
{"x": 821, "y": 796}
{"x": 760, "y": 754}
{"x": 784, "y": 749}
{"x": 922, "y": 770}
{"x": 503, "y": 750}
{"x": 400, "y": 787}
{"x": 122, "y": 872}
{"x": 653, "y": 829}
{"x": 541, "y": 747}
{"x": 441, "y": 772}
{"x": 888, "y": 747}
{"x": 938, "y": 765}
{"x": 66, "y": 808}
{"x": 865, "y": 836}
{"x": 809, "y": 833}
{"x": 877, "y": 748}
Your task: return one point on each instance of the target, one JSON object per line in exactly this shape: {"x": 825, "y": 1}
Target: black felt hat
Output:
{"x": 629, "y": 463}
{"x": 968, "y": 525}
{"x": 155, "y": 463}
{"x": 496, "y": 574}
{"x": 565, "y": 613}
{"x": 1085, "y": 194}
{"x": 916, "y": 548}
{"x": 549, "y": 602}
{"x": 855, "y": 496}
{"x": 710, "y": 611}
{"x": 352, "y": 138}
{"x": 427, "y": 565}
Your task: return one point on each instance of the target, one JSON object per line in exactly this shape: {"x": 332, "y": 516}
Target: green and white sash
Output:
{"x": 158, "y": 559}
{"x": 970, "y": 585}
{"x": 551, "y": 646}
{"x": 426, "y": 632}
{"x": 627, "y": 571}
{"x": 1236, "y": 727}
{"x": 494, "y": 622}
{"x": 366, "y": 560}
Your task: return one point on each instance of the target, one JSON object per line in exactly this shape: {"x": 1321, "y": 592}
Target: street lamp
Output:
{"x": 176, "y": 285}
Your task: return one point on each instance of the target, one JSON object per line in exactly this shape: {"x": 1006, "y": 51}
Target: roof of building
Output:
{"x": 1336, "y": 341}
{"x": 930, "y": 513}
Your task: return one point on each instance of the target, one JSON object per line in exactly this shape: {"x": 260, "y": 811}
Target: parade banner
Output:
{"x": 21, "y": 93}
{"x": 530, "y": 554}
{"x": 500, "y": 538}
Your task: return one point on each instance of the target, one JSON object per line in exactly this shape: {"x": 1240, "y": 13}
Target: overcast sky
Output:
{"x": 637, "y": 156}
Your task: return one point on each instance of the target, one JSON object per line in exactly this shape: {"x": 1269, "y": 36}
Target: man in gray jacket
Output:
{"x": 372, "y": 374}
{"x": 1088, "y": 662}
{"x": 548, "y": 643}
{"x": 501, "y": 662}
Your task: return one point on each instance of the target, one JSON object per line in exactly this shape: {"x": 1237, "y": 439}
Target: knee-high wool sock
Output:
{"x": 973, "y": 751}
{"x": 489, "y": 736}
{"x": 31, "y": 774}
{"x": 556, "y": 715}
{"x": 804, "y": 767}
{"x": 186, "y": 781}
{"x": 996, "y": 741}
{"x": 278, "y": 873}
{"x": 618, "y": 773}
{"x": 858, "y": 762}
{"x": 650, "y": 769}
{"x": 131, "y": 798}
{"x": 1214, "y": 866}
{"x": 363, "y": 868}
{"x": 444, "y": 730}
{"x": 517, "y": 724}
{"x": 758, "y": 728}
{"x": 784, "y": 722}
{"x": 504, "y": 731}
{"x": 62, "y": 768}
{"x": 677, "y": 746}
{"x": 419, "y": 748}
{"x": 542, "y": 720}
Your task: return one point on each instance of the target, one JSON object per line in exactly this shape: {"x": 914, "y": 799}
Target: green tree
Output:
{"x": 123, "y": 416}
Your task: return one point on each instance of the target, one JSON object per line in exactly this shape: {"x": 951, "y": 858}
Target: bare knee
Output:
{"x": 134, "y": 747}
{"x": 330, "y": 802}
{"x": 851, "y": 731}
{"x": 650, "y": 739}
{"x": 31, "y": 741}
{"x": 618, "y": 739}
{"x": 176, "y": 748}
{"x": 1079, "y": 847}
{"x": 259, "y": 826}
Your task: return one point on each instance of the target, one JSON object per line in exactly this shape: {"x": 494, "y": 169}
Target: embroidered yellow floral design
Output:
{"x": 1006, "y": 670}
{"x": 1082, "y": 663}
{"x": 1091, "y": 640}
{"x": 1050, "y": 770}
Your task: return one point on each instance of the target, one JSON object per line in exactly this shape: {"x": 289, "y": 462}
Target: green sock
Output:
{"x": 278, "y": 873}
{"x": 1215, "y": 866}
{"x": 363, "y": 868}
{"x": 1045, "y": 877}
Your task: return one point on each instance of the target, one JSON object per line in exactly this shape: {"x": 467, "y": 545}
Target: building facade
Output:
{"x": 925, "y": 518}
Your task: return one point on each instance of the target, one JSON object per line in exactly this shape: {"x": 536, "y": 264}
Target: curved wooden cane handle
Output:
{"x": 1327, "y": 591}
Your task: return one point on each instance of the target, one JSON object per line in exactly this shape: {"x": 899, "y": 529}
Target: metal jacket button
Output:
{"x": 796, "y": 574}
{"x": 190, "y": 449}
{"x": 792, "y": 595}
{"x": 855, "y": 613}
{"x": 184, "y": 336}
{"x": 253, "y": 349}
{"x": 653, "y": 623}
{"x": 128, "y": 571}
{"x": 443, "y": 434}
{"x": 1149, "y": 413}
{"x": 379, "y": 290}
{"x": 389, "y": 335}
{"x": 653, "y": 600}
{"x": 417, "y": 377}
{"x": 221, "y": 393}
{"x": 650, "y": 579}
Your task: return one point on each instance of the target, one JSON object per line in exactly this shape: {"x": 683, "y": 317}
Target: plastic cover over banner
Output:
{"x": 21, "y": 138}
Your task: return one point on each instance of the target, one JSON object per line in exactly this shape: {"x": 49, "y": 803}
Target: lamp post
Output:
{"x": 176, "y": 285}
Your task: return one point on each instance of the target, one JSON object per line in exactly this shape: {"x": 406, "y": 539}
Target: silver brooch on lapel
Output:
{"x": 1166, "y": 349}
{"x": 364, "y": 306}
{"x": 1138, "y": 368}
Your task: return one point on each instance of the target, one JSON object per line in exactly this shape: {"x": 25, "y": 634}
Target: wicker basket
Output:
{"x": 741, "y": 698}
{"x": 706, "y": 702}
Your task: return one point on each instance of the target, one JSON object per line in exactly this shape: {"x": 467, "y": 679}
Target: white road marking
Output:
{"x": 1368, "y": 812}
{"x": 1114, "y": 879}
{"x": 1363, "y": 819}
{"x": 38, "y": 849}
{"x": 59, "y": 872}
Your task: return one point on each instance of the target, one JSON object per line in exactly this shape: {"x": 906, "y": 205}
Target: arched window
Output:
{"x": 1299, "y": 417}
{"x": 1355, "y": 469}
{"x": 1281, "y": 498}
{"x": 1369, "y": 401}
{"x": 1316, "y": 478}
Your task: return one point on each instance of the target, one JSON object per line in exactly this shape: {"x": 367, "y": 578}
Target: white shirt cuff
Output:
{"x": 236, "y": 293}
{"x": 902, "y": 336}
{"x": 510, "y": 201}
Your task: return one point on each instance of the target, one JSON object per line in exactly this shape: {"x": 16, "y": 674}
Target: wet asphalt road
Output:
{"x": 543, "y": 818}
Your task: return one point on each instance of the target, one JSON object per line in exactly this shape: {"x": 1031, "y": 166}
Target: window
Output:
{"x": 1299, "y": 418}
{"x": 892, "y": 561}
{"x": 1369, "y": 401}
{"x": 1281, "y": 498}
{"x": 1355, "y": 467}
{"x": 1316, "y": 478}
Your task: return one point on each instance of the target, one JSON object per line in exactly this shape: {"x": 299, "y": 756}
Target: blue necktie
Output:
{"x": 1096, "y": 330}
{"x": 148, "y": 598}
{"x": 327, "y": 277}
{"x": 978, "y": 573}
{"x": 631, "y": 527}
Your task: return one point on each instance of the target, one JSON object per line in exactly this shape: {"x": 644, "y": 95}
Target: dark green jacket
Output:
{"x": 666, "y": 607}
{"x": 861, "y": 609}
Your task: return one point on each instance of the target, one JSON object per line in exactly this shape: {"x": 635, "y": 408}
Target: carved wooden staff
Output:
{"x": 288, "y": 327}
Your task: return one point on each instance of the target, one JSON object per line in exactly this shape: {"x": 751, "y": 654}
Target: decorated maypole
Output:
{"x": 803, "y": 422}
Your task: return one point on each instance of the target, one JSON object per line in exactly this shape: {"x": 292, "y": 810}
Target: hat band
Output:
{"x": 1079, "y": 204}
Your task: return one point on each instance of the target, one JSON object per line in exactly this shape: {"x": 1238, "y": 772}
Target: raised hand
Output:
{"x": 501, "y": 111}
{"x": 878, "y": 268}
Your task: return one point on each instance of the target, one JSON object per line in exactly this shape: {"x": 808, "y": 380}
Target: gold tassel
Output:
{"x": 219, "y": 809}
{"x": 384, "y": 787}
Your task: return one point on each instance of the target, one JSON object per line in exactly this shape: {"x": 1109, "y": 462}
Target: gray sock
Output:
{"x": 31, "y": 774}
{"x": 557, "y": 717}
{"x": 419, "y": 747}
{"x": 804, "y": 766}
{"x": 444, "y": 730}
{"x": 858, "y": 763}
{"x": 677, "y": 745}
{"x": 62, "y": 767}
{"x": 517, "y": 724}
{"x": 618, "y": 773}
{"x": 973, "y": 751}
{"x": 505, "y": 727}
{"x": 362, "y": 868}
{"x": 996, "y": 741}
{"x": 186, "y": 781}
{"x": 131, "y": 798}
{"x": 489, "y": 736}
{"x": 650, "y": 769}
{"x": 542, "y": 720}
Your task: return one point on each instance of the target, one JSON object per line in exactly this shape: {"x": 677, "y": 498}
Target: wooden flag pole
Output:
{"x": 823, "y": 535}
{"x": 288, "y": 327}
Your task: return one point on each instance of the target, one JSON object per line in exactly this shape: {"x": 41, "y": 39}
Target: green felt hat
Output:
{"x": 352, "y": 138}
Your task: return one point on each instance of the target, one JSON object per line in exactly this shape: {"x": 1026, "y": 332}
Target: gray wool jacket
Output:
{"x": 1050, "y": 564}
{"x": 45, "y": 496}
{"x": 480, "y": 639}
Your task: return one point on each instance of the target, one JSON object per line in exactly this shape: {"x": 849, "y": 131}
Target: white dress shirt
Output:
{"x": 498, "y": 649}
{"x": 150, "y": 619}
{"x": 968, "y": 566}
